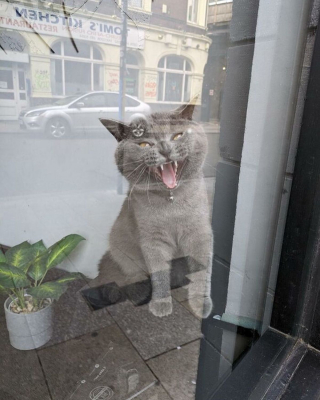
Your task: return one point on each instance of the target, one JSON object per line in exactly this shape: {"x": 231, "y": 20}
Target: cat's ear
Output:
{"x": 118, "y": 129}
{"x": 186, "y": 110}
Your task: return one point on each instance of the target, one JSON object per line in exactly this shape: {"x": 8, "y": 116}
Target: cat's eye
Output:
{"x": 177, "y": 136}
{"x": 144, "y": 144}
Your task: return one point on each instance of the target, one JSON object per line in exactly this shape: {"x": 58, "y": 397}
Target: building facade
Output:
{"x": 51, "y": 50}
{"x": 219, "y": 17}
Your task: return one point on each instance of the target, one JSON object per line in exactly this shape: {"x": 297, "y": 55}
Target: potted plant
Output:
{"x": 28, "y": 308}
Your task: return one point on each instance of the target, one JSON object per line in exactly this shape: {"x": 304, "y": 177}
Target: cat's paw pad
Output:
{"x": 161, "y": 307}
{"x": 201, "y": 307}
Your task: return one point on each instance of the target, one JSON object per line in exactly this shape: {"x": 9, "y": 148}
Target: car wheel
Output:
{"x": 58, "y": 127}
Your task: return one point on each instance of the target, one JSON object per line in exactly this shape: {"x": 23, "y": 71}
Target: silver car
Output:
{"x": 80, "y": 113}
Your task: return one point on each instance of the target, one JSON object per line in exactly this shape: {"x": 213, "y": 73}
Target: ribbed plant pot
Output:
{"x": 28, "y": 331}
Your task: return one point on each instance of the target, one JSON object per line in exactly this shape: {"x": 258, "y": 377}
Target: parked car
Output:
{"x": 79, "y": 113}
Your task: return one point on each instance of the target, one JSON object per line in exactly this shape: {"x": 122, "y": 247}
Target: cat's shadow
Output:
{"x": 139, "y": 293}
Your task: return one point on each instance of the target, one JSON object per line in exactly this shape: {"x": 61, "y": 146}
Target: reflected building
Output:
{"x": 219, "y": 17}
{"x": 51, "y": 51}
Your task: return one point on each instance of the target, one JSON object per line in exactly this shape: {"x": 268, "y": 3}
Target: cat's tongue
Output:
{"x": 168, "y": 176}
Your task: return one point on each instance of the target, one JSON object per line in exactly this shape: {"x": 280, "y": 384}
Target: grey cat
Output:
{"x": 165, "y": 214}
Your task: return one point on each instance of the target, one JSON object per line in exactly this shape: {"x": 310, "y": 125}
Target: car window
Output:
{"x": 112, "y": 100}
{"x": 94, "y": 100}
{"x": 131, "y": 102}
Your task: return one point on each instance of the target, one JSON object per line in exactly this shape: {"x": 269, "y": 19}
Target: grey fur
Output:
{"x": 150, "y": 231}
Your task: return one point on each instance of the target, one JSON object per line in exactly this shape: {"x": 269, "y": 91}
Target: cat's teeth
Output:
{"x": 161, "y": 166}
{"x": 176, "y": 164}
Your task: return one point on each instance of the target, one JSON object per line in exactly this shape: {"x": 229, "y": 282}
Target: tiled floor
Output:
{"x": 121, "y": 351}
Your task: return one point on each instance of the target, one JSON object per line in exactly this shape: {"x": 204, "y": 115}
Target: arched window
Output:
{"x": 132, "y": 78}
{"x": 174, "y": 79}
{"x": 75, "y": 71}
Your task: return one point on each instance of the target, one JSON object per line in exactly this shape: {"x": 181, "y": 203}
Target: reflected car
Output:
{"x": 80, "y": 113}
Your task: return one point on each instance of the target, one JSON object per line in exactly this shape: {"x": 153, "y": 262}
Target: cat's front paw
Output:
{"x": 161, "y": 307}
{"x": 201, "y": 306}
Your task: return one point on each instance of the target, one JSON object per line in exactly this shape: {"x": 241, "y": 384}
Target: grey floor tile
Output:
{"x": 152, "y": 335}
{"x": 99, "y": 364}
{"x": 156, "y": 392}
{"x": 187, "y": 306}
{"x": 73, "y": 317}
{"x": 177, "y": 371}
{"x": 21, "y": 376}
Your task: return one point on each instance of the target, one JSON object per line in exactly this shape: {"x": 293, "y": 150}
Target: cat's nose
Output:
{"x": 164, "y": 148}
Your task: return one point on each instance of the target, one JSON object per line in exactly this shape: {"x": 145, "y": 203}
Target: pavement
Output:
{"x": 121, "y": 351}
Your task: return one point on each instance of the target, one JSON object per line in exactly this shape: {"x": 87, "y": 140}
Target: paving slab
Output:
{"x": 100, "y": 365}
{"x": 73, "y": 317}
{"x": 21, "y": 376}
{"x": 156, "y": 392}
{"x": 152, "y": 335}
{"x": 177, "y": 371}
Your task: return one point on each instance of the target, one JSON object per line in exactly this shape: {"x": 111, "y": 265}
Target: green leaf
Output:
{"x": 12, "y": 277}
{"x": 20, "y": 255}
{"x": 38, "y": 266}
{"x": 51, "y": 290}
{"x": 60, "y": 250}
{"x": 3, "y": 290}
{"x": 2, "y": 257}
{"x": 70, "y": 277}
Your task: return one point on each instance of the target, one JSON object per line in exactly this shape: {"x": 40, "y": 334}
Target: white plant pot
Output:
{"x": 28, "y": 331}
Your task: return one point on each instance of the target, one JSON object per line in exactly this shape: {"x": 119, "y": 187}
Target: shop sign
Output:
{"x": 46, "y": 22}
{"x": 150, "y": 87}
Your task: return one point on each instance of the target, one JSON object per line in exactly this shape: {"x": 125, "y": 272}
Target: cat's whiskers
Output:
{"x": 133, "y": 162}
{"x": 140, "y": 174}
{"x": 141, "y": 164}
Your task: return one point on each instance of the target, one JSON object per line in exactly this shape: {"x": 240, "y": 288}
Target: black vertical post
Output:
{"x": 123, "y": 67}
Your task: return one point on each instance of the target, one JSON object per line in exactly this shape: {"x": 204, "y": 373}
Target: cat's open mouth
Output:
{"x": 167, "y": 172}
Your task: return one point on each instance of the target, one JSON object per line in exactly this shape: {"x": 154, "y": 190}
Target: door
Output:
{"x": 13, "y": 90}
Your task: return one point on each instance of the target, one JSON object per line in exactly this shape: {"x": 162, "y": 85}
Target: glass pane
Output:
{"x": 173, "y": 87}
{"x": 132, "y": 82}
{"x": 56, "y": 77}
{"x": 22, "y": 81}
{"x": 180, "y": 195}
{"x": 79, "y": 50}
{"x": 112, "y": 100}
{"x": 77, "y": 77}
{"x": 96, "y": 53}
{"x": 175, "y": 62}
{"x": 132, "y": 59}
{"x": 94, "y": 100}
{"x": 56, "y": 48}
{"x": 98, "y": 76}
{"x": 6, "y": 79}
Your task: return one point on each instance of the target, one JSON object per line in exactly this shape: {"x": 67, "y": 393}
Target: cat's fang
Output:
{"x": 161, "y": 166}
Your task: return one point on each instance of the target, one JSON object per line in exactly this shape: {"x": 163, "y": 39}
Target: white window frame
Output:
{"x": 191, "y": 3}
{"x": 64, "y": 58}
{"x": 165, "y": 70}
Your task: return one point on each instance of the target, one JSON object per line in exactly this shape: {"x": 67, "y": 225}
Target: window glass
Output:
{"x": 6, "y": 79}
{"x": 145, "y": 182}
{"x": 80, "y": 50}
{"x": 131, "y": 102}
{"x": 112, "y": 100}
{"x": 96, "y": 53}
{"x": 94, "y": 100}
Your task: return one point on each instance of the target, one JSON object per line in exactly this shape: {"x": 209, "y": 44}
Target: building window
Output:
{"x": 174, "y": 79}
{"x": 75, "y": 72}
{"x": 193, "y": 8}
{"x": 132, "y": 78}
{"x": 135, "y": 3}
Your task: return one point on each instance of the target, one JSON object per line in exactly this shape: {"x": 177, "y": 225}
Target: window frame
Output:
{"x": 63, "y": 58}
